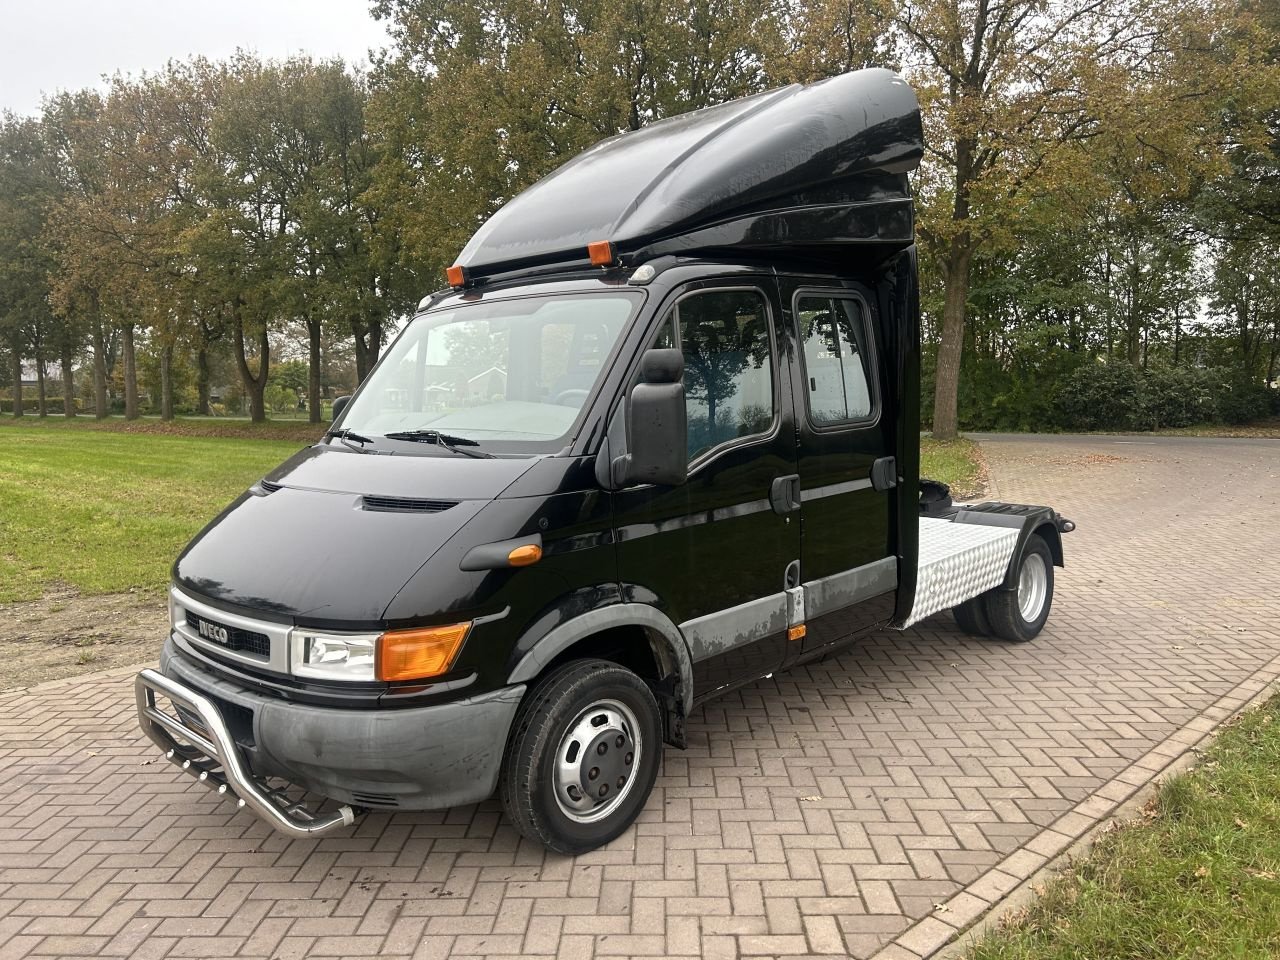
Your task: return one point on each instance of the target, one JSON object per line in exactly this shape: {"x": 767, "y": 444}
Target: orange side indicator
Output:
{"x": 419, "y": 653}
{"x": 524, "y": 556}
{"x": 602, "y": 253}
{"x": 796, "y": 632}
{"x": 456, "y": 275}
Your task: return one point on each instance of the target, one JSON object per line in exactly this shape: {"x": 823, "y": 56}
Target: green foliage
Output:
{"x": 1180, "y": 397}
{"x": 280, "y": 399}
{"x": 1242, "y": 401}
{"x": 1102, "y": 396}
{"x": 291, "y": 375}
{"x": 1116, "y": 396}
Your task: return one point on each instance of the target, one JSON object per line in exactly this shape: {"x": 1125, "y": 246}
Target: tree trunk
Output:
{"x": 16, "y": 370}
{"x": 130, "y": 374}
{"x": 313, "y": 377}
{"x": 947, "y": 378}
{"x": 1274, "y": 355}
{"x": 368, "y": 338}
{"x": 202, "y": 379}
{"x": 42, "y": 407}
{"x": 68, "y": 382}
{"x": 362, "y": 351}
{"x": 99, "y": 370}
{"x": 166, "y": 382}
{"x": 254, "y": 386}
{"x": 374, "y": 328}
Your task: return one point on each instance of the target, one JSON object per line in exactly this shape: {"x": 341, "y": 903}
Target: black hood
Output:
{"x": 338, "y": 469}
{"x": 332, "y": 535}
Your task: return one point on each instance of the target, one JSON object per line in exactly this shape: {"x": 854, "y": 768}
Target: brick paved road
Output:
{"x": 823, "y": 812}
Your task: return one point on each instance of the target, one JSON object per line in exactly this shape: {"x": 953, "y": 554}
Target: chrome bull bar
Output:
{"x": 209, "y": 753}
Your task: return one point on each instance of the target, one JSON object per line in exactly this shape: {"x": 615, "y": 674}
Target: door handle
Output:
{"x": 784, "y": 494}
{"x": 884, "y": 474}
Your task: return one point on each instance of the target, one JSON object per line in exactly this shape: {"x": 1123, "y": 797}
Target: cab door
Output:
{"x": 848, "y": 566}
{"x": 714, "y": 553}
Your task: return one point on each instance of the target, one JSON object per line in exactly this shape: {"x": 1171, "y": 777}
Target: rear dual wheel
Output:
{"x": 1015, "y": 615}
{"x": 583, "y": 756}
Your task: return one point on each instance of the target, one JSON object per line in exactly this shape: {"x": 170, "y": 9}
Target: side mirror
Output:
{"x": 339, "y": 404}
{"x": 657, "y": 426}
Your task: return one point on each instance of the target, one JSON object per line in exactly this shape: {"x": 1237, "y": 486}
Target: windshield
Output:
{"x": 511, "y": 373}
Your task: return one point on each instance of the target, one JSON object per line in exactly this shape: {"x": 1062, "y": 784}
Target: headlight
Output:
{"x": 415, "y": 654}
{"x": 333, "y": 656}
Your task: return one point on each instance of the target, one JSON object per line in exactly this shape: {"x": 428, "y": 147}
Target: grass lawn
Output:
{"x": 106, "y": 506}
{"x": 1198, "y": 877}
{"x": 106, "y": 511}
{"x": 957, "y": 463}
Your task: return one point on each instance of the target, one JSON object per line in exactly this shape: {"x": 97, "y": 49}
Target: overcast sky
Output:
{"x": 47, "y": 45}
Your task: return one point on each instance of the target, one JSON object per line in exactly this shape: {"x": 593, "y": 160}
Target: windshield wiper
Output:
{"x": 451, "y": 443}
{"x": 348, "y": 437}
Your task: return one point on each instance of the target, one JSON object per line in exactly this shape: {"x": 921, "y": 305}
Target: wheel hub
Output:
{"x": 596, "y": 760}
{"x": 1033, "y": 587}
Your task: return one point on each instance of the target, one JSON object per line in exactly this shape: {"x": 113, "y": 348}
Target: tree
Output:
{"x": 27, "y": 189}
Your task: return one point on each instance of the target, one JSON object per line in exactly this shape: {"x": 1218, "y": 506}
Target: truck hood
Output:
{"x": 339, "y": 469}
{"x": 330, "y": 536}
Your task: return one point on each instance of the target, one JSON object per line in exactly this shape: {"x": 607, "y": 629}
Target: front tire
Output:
{"x": 1019, "y": 615}
{"x": 583, "y": 756}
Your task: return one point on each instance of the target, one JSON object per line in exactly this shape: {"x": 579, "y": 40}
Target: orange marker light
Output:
{"x": 419, "y": 653}
{"x": 456, "y": 275}
{"x": 602, "y": 253}
{"x": 524, "y": 556}
{"x": 796, "y": 633}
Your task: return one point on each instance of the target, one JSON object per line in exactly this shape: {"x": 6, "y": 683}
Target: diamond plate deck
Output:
{"x": 958, "y": 561}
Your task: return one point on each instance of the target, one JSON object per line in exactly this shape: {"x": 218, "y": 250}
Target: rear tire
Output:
{"x": 971, "y": 617}
{"x": 583, "y": 756}
{"x": 1019, "y": 615}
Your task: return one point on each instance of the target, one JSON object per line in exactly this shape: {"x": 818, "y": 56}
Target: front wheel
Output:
{"x": 583, "y": 756}
{"x": 1019, "y": 615}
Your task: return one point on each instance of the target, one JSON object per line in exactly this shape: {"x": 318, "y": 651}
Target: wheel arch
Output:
{"x": 1047, "y": 531}
{"x": 589, "y": 633}
{"x": 1028, "y": 521}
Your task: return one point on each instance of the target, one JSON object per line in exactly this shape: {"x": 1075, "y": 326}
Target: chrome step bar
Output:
{"x": 209, "y": 753}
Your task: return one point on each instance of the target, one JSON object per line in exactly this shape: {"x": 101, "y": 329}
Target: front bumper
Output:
{"x": 236, "y": 740}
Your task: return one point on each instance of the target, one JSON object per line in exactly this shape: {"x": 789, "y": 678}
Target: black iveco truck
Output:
{"x": 659, "y": 438}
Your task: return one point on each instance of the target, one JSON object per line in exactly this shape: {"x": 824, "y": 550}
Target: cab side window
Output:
{"x": 836, "y": 361}
{"x": 728, "y": 368}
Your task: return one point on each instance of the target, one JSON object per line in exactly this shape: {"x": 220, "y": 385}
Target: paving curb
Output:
{"x": 966, "y": 916}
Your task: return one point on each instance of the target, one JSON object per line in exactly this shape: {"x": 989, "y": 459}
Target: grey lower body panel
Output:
{"x": 849, "y": 587}
{"x": 420, "y": 758}
{"x": 722, "y": 631}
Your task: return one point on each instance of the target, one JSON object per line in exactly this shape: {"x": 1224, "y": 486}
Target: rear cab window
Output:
{"x": 835, "y": 347}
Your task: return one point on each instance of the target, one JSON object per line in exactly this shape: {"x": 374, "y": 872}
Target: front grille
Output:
{"x": 228, "y": 637}
{"x": 406, "y": 504}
